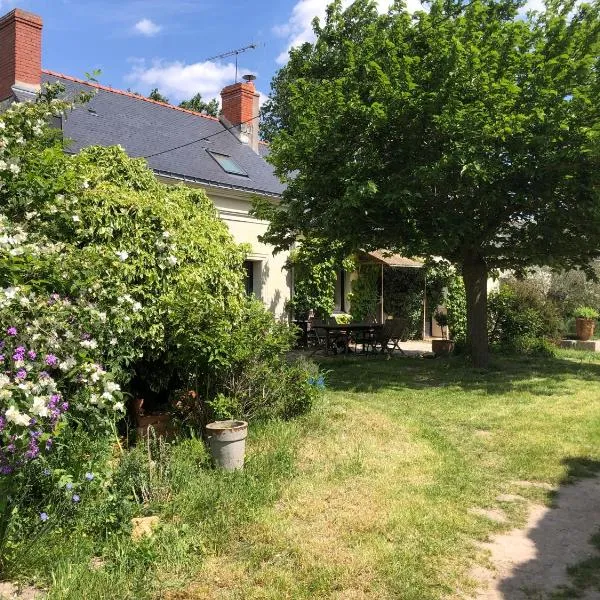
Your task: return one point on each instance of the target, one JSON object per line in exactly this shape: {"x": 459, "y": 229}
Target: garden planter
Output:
{"x": 442, "y": 347}
{"x": 584, "y": 328}
{"x": 227, "y": 442}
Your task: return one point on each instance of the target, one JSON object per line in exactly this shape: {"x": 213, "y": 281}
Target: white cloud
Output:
{"x": 298, "y": 28}
{"x": 179, "y": 81}
{"x": 147, "y": 27}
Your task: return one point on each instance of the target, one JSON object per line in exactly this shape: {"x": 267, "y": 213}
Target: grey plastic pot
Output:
{"x": 227, "y": 443}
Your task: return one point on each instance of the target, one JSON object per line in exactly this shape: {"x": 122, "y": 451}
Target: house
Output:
{"x": 222, "y": 156}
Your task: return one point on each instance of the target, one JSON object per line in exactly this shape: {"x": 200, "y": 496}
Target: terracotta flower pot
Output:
{"x": 584, "y": 328}
{"x": 442, "y": 347}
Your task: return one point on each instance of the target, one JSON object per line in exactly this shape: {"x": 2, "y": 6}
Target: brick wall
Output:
{"x": 238, "y": 102}
{"x": 20, "y": 51}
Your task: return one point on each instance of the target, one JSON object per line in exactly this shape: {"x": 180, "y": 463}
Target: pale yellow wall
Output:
{"x": 272, "y": 281}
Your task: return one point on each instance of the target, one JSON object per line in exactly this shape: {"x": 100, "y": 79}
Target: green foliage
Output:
{"x": 157, "y": 96}
{"x": 315, "y": 264}
{"x": 466, "y": 131}
{"x": 456, "y": 305}
{"x": 520, "y": 320}
{"x": 364, "y": 297}
{"x": 585, "y": 312}
{"x": 403, "y": 291}
{"x": 196, "y": 104}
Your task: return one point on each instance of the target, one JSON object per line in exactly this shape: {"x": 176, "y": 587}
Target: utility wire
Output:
{"x": 198, "y": 140}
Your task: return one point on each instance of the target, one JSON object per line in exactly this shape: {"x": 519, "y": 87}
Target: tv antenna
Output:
{"x": 235, "y": 53}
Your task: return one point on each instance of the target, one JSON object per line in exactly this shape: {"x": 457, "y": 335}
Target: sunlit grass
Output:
{"x": 371, "y": 495}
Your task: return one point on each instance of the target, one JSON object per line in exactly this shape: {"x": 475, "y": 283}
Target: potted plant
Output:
{"x": 585, "y": 322}
{"x": 443, "y": 347}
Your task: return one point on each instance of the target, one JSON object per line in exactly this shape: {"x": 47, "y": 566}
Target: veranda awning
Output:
{"x": 388, "y": 259}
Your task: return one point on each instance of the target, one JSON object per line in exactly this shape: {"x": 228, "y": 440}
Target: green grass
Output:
{"x": 369, "y": 496}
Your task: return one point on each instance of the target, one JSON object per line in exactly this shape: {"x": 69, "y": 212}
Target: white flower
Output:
{"x": 92, "y": 344}
{"x": 122, "y": 255}
{"x": 3, "y": 165}
{"x": 11, "y": 292}
{"x": 39, "y": 407}
{"x": 14, "y": 169}
{"x": 24, "y": 301}
{"x": 2, "y": 125}
{"x": 4, "y": 380}
{"x": 119, "y": 406}
{"x": 67, "y": 364}
{"x": 85, "y": 185}
{"x": 102, "y": 316}
{"x": 111, "y": 386}
{"x": 14, "y": 416}
{"x": 166, "y": 234}
{"x": 94, "y": 399}
{"x": 172, "y": 260}
{"x": 107, "y": 396}
{"x": 76, "y": 218}
{"x": 136, "y": 306}
{"x": 113, "y": 341}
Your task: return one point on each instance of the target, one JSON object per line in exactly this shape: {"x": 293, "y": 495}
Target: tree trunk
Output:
{"x": 474, "y": 271}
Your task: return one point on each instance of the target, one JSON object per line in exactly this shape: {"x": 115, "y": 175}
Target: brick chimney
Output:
{"x": 20, "y": 52}
{"x": 239, "y": 108}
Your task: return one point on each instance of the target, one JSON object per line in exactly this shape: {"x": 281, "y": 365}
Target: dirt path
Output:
{"x": 531, "y": 563}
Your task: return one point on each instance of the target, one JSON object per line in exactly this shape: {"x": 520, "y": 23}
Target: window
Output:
{"x": 249, "y": 280}
{"x": 228, "y": 164}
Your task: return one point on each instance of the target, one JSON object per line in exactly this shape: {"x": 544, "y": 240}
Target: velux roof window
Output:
{"x": 228, "y": 164}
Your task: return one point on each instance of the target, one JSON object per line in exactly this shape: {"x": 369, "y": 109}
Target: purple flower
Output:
{"x": 5, "y": 470}
{"x": 75, "y": 498}
{"x": 89, "y": 476}
{"x": 51, "y": 360}
{"x": 21, "y": 374}
{"x": 48, "y": 445}
{"x": 44, "y": 374}
{"x": 19, "y": 353}
{"x": 2, "y": 357}
{"x": 2, "y": 422}
{"x": 32, "y": 355}
{"x": 44, "y": 516}
{"x": 64, "y": 406}
{"x": 47, "y": 472}
{"x": 12, "y": 331}
{"x": 85, "y": 336}
{"x": 69, "y": 486}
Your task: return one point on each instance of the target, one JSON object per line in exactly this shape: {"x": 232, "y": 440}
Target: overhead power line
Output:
{"x": 202, "y": 139}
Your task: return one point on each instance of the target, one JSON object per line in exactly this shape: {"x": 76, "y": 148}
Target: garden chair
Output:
{"x": 315, "y": 334}
{"x": 393, "y": 331}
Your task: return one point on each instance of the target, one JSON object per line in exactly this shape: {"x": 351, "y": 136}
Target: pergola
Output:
{"x": 385, "y": 258}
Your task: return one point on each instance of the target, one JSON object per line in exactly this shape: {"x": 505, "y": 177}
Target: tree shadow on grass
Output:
{"x": 538, "y": 376}
{"x": 560, "y": 557}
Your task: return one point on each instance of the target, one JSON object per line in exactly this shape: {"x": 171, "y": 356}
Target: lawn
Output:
{"x": 372, "y": 495}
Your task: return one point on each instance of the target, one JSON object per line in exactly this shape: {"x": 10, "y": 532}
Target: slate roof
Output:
{"x": 168, "y": 136}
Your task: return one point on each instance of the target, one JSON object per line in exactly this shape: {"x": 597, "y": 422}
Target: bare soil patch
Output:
{"x": 531, "y": 563}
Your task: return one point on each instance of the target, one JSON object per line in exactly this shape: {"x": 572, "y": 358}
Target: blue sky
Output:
{"x": 143, "y": 44}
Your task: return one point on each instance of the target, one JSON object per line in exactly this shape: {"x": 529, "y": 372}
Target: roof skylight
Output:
{"x": 228, "y": 164}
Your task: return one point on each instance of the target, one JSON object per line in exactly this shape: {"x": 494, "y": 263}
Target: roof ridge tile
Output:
{"x": 106, "y": 88}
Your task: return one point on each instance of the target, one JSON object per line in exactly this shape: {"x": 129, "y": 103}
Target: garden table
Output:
{"x": 334, "y": 333}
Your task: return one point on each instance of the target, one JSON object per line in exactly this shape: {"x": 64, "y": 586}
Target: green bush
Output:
{"x": 521, "y": 320}
{"x": 365, "y": 295}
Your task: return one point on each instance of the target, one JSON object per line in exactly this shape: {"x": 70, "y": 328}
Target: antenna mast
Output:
{"x": 235, "y": 53}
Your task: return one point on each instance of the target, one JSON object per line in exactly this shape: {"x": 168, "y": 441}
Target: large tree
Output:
{"x": 467, "y": 131}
